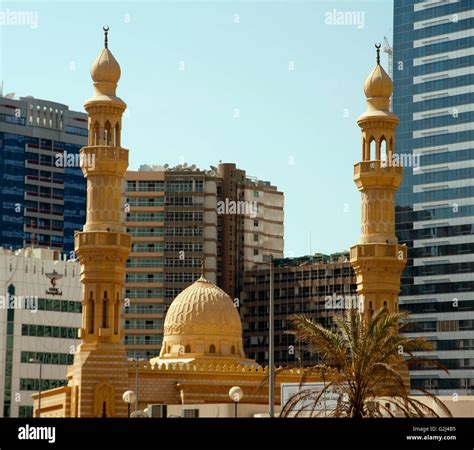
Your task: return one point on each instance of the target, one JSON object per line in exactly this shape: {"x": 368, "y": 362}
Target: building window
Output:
{"x": 255, "y": 194}
{"x": 212, "y": 349}
{"x": 255, "y": 251}
{"x": 255, "y": 237}
{"x": 255, "y": 223}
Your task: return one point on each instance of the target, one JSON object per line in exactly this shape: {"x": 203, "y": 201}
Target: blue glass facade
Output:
{"x": 41, "y": 203}
{"x": 433, "y": 77}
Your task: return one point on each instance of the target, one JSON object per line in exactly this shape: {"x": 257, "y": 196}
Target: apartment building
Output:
{"x": 180, "y": 217}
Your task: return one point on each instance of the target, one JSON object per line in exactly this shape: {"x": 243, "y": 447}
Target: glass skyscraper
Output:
{"x": 433, "y": 72}
{"x": 43, "y": 190}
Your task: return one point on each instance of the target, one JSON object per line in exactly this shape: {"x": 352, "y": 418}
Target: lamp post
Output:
{"x": 137, "y": 360}
{"x": 128, "y": 397}
{"x": 268, "y": 259}
{"x": 236, "y": 394}
{"x": 40, "y": 361}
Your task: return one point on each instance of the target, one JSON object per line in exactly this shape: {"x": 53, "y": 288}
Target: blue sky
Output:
{"x": 296, "y": 128}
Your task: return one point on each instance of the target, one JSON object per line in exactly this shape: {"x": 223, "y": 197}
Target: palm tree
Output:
{"x": 368, "y": 367}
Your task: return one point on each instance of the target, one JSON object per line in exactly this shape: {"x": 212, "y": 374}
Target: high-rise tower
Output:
{"x": 378, "y": 259}
{"x": 100, "y": 369}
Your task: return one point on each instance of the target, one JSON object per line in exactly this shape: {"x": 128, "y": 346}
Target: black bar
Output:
{"x": 242, "y": 433}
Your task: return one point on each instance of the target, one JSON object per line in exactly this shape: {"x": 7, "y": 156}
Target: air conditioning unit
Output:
{"x": 190, "y": 413}
{"x": 158, "y": 411}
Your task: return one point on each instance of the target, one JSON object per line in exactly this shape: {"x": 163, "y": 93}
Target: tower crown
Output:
{"x": 378, "y": 83}
{"x": 378, "y": 87}
{"x": 105, "y": 72}
{"x": 105, "y": 68}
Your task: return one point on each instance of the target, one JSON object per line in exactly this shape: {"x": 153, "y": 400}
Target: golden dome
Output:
{"x": 202, "y": 323}
{"x": 203, "y": 308}
{"x": 105, "y": 68}
{"x": 378, "y": 83}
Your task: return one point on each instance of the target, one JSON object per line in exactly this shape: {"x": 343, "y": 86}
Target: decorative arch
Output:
{"x": 117, "y": 134}
{"x": 96, "y": 134}
{"x": 382, "y": 149}
{"x": 212, "y": 348}
{"x": 104, "y": 400}
{"x": 187, "y": 349}
{"x": 108, "y": 134}
{"x": 91, "y": 312}
{"x": 371, "y": 149}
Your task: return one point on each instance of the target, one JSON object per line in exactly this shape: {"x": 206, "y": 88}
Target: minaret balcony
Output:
{"x": 101, "y": 239}
{"x": 377, "y": 173}
{"x": 104, "y": 160}
{"x": 378, "y": 251}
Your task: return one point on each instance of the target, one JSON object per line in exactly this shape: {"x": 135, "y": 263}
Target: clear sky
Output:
{"x": 274, "y": 86}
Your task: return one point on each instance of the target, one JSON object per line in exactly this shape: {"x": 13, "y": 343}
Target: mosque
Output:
{"x": 202, "y": 354}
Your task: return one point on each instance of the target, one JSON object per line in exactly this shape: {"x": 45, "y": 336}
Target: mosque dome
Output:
{"x": 202, "y": 321}
{"x": 105, "y": 68}
{"x": 378, "y": 83}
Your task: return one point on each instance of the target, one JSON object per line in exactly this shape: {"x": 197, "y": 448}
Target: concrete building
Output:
{"x": 318, "y": 286}
{"x": 179, "y": 215}
{"x": 434, "y": 98}
{"x": 40, "y": 313}
{"x": 42, "y": 187}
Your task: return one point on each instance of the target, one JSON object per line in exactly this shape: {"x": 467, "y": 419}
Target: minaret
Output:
{"x": 100, "y": 365}
{"x": 378, "y": 259}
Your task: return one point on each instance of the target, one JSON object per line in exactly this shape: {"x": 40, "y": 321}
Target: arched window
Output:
{"x": 117, "y": 134}
{"x": 232, "y": 350}
{"x": 105, "y": 305}
{"x": 108, "y": 134}
{"x": 91, "y": 312}
{"x": 116, "y": 313}
{"x": 187, "y": 349}
{"x": 96, "y": 134}
{"x": 212, "y": 349}
{"x": 372, "y": 149}
{"x": 383, "y": 149}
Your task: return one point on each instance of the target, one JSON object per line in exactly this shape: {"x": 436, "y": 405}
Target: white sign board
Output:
{"x": 326, "y": 403}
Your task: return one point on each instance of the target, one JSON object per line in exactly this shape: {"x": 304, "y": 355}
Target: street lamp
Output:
{"x": 236, "y": 394}
{"x": 40, "y": 361}
{"x": 137, "y": 360}
{"x": 268, "y": 259}
{"x": 128, "y": 397}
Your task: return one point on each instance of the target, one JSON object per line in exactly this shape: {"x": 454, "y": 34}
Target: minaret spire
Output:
{"x": 106, "y": 32}
{"x": 377, "y": 46}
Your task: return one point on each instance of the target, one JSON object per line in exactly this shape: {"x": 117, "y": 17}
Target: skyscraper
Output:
{"x": 42, "y": 187}
{"x": 180, "y": 216}
{"x": 434, "y": 99}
